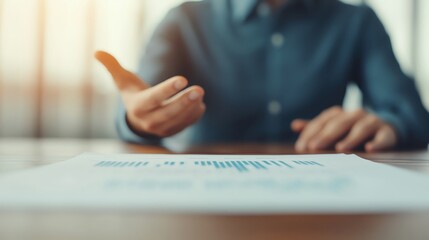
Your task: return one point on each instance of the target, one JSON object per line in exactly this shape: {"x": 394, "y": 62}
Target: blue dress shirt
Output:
{"x": 262, "y": 69}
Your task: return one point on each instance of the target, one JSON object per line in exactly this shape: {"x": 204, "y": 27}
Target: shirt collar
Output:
{"x": 242, "y": 9}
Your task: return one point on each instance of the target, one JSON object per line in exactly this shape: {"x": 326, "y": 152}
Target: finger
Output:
{"x": 169, "y": 112}
{"x": 156, "y": 96}
{"x": 125, "y": 80}
{"x": 298, "y": 125}
{"x": 164, "y": 127}
{"x": 335, "y": 129}
{"x": 180, "y": 103}
{"x": 385, "y": 139}
{"x": 361, "y": 132}
{"x": 314, "y": 126}
{"x": 150, "y": 101}
{"x": 184, "y": 119}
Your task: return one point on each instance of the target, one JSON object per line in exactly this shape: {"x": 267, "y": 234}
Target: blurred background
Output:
{"x": 50, "y": 85}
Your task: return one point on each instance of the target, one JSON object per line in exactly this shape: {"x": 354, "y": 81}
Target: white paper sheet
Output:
{"x": 218, "y": 184}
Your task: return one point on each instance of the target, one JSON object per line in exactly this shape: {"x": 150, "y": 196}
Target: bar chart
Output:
{"x": 237, "y": 165}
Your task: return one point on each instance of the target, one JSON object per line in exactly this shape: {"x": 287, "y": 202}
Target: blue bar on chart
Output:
{"x": 119, "y": 164}
{"x": 308, "y": 163}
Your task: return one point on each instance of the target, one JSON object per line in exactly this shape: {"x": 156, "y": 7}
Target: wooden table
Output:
{"x": 16, "y": 154}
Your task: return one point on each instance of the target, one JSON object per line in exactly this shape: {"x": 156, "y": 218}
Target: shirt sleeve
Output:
{"x": 161, "y": 60}
{"x": 391, "y": 94}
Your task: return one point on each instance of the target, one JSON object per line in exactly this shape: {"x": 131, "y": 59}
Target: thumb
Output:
{"x": 125, "y": 80}
{"x": 298, "y": 125}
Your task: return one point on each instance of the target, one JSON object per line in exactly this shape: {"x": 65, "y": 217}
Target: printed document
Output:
{"x": 244, "y": 184}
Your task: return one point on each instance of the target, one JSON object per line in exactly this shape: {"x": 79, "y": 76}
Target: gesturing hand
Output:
{"x": 162, "y": 110}
{"x": 345, "y": 131}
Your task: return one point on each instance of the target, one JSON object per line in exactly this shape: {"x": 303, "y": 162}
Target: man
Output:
{"x": 270, "y": 71}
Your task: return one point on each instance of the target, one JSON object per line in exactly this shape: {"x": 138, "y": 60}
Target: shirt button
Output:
{"x": 274, "y": 107}
{"x": 263, "y": 10}
{"x": 277, "y": 40}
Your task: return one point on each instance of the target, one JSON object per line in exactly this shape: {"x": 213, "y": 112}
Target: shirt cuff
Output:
{"x": 125, "y": 133}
